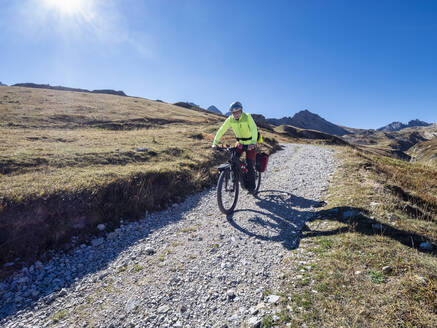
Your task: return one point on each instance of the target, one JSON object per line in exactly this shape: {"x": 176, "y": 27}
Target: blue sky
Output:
{"x": 361, "y": 64}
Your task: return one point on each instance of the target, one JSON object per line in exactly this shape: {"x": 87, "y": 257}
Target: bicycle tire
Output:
{"x": 257, "y": 180}
{"x": 221, "y": 189}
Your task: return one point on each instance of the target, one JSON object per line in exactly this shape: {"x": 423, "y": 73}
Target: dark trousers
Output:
{"x": 250, "y": 164}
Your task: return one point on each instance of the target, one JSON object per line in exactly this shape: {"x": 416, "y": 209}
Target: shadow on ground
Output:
{"x": 357, "y": 220}
{"x": 283, "y": 218}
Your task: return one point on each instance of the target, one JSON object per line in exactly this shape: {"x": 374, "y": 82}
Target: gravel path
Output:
{"x": 188, "y": 266}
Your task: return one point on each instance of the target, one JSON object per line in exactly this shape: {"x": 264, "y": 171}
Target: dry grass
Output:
{"x": 364, "y": 264}
{"x": 425, "y": 152}
{"x": 54, "y": 141}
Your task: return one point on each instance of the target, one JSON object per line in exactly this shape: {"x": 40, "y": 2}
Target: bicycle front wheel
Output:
{"x": 227, "y": 192}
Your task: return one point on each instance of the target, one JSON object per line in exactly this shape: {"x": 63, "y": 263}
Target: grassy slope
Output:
{"x": 55, "y": 141}
{"x": 401, "y": 144}
{"x": 359, "y": 261}
{"x": 425, "y": 152}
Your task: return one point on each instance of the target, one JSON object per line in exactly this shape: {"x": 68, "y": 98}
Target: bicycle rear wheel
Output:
{"x": 257, "y": 180}
{"x": 227, "y": 192}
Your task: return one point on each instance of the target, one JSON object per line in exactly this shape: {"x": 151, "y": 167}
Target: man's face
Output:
{"x": 237, "y": 114}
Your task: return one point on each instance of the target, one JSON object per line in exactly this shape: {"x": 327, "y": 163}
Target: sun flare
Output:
{"x": 66, "y": 7}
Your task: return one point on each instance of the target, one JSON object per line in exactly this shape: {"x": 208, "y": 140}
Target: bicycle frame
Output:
{"x": 234, "y": 164}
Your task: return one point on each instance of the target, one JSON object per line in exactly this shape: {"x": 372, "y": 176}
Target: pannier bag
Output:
{"x": 261, "y": 161}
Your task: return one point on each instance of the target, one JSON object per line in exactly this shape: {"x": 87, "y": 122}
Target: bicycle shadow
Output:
{"x": 280, "y": 215}
{"x": 284, "y": 216}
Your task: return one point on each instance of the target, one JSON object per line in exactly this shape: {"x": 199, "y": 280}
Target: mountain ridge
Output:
{"x": 397, "y": 126}
{"x": 62, "y": 88}
{"x": 308, "y": 120}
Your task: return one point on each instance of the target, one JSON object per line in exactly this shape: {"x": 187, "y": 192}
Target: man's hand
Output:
{"x": 251, "y": 147}
{"x": 214, "y": 147}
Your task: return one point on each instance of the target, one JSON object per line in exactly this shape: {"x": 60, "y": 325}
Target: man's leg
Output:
{"x": 250, "y": 163}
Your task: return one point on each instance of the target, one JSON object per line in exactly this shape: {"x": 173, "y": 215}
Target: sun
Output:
{"x": 66, "y": 7}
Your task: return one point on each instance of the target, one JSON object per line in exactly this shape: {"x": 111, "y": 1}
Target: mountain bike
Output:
{"x": 231, "y": 175}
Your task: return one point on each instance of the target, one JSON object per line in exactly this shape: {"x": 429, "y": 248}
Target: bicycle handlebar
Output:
{"x": 218, "y": 148}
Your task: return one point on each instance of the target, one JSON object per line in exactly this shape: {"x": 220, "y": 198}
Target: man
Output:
{"x": 246, "y": 132}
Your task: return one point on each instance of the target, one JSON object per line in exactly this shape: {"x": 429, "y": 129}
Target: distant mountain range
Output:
{"x": 3, "y": 85}
{"x": 397, "y": 126}
{"x": 61, "y": 88}
{"x": 214, "y": 109}
{"x": 307, "y": 120}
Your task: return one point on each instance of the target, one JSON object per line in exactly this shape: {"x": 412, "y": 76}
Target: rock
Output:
{"x": 183, "y": 308}
{"x": 96, "y": 242}
{"x": 62, "y": 292}
{"x": 254, "y": 322}
{"x": 387, "y": 269}
{"x": 421, "y": 280}
{"x": 253, "y": 310}
{"x": 149, "y": 251}
{"x": 427, "y": 246}
{"x": 274, "y": 299}
{"x": 131, "y": 304}
{"x": 103, "y": 275}
{"x": 163, "y": 309}
{"x": 234, "y": 317}
{"x": 141, "y": 149}
{"x": 357, "y": 272}
{"x": 101, "y": 227}
{"x": 22, "y": 280}
{"x": 230, "y": 294}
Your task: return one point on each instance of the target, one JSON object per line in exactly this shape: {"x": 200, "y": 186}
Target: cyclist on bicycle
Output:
{"x": 246, "y": 133}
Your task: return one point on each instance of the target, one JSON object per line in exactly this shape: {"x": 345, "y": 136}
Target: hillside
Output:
{"x": 309, "y": 135}
{"x": 393, "y": 144}
{"x": 61, "y": 88}
{"x": 424, "y": 152}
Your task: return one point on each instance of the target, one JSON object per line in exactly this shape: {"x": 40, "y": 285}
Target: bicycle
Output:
{"x": 231, "y": 175}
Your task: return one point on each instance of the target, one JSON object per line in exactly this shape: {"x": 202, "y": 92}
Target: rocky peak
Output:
{"x": 417, "y": 122}
{"x": 307, "y": 120}
{"x": 214, "y": 109}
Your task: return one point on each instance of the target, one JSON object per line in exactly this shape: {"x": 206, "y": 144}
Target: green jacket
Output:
{"x": 245, "y": 127}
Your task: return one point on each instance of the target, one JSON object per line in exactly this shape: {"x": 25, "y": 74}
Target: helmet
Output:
{"x": 235, "y": 107}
